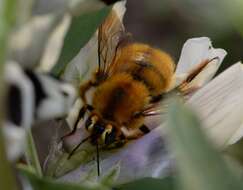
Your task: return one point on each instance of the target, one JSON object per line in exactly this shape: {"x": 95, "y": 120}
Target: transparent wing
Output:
{"x": 161, "y": 107}
{"x": 110, "y": 36}
{"x": 82, "y": 67}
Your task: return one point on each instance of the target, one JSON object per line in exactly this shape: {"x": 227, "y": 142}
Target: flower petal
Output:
{"x": 15, "y": 140}
{"x": 144, "y": 157}
{"x": 82, "y": 66}
{"x": 219, "y": 105}
{"x": 54, "y": 45}
{"x": 194, "y": 52}
{"x": 37, "y": 30}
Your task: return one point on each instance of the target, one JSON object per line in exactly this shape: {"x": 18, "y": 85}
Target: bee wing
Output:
{"x": 155, "y": 109}
{"x": 82, "y": 66}
{"x": 111, "y": 34}
{"x": 161, "y": 107}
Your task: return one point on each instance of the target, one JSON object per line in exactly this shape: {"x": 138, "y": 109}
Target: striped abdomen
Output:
{"x": 151, "y": 66}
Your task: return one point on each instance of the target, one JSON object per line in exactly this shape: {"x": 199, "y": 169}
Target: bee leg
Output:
{"x": 80, "y": 115}
{"x": 135, "y": 133}
{"x": 187, "y": 90}
{"x": 144, "y": 129}
{"x": 120, "y": 141}
{"x": 157, "y": 98}
{"x": 83, "y": 89}
{"x": 131, "y": 133}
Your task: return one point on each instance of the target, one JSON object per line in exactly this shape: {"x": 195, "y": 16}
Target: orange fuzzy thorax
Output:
{"x": 118, "y": 98}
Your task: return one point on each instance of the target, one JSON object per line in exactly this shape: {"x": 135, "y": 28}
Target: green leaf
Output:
{"x": 48, "y": 184}
{"x": 60, "y": 164}
{"x": 7, "y": 19}
{"x": 31, "y": 154}
{"x": 233, "y": 9}
{"x": 199, "y": 165}
{"x": 111, "y": 176}
{"x": 148, "y": 183}
{"x": 81, "y": 30}
{"x": 235, "y": 151}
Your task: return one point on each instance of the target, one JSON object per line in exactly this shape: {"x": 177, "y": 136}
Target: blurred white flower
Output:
{"x": 14, "y": 140}
{"x": 31, "y": 39}
{"x": 31, "y": 97}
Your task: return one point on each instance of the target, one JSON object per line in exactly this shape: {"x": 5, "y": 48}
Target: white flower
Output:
{"x": 14, "y": 140}
{"x": 26, "y": 103}
{"x": 218, "y": 103}
{"x": 197, "y": 51}
{"x": 31, "y": 39}
{"x": 147, "y": 156}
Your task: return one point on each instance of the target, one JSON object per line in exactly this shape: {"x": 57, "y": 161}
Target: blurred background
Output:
{"x": 167, "y": 24}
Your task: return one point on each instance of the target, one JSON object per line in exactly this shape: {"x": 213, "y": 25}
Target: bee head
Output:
{"x": 99, "y": 130}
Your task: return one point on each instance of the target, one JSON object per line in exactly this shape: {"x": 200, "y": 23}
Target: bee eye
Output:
{"x": 109, "y": 136}
{"x": 88, "y": 124}
{"x": 98, "y": 128}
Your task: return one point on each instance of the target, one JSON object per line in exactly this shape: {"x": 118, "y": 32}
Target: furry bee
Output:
{"x": 130, "y": 80}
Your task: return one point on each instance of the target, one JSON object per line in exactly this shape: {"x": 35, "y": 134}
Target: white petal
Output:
{"x": 220, "y": 106}
{"x": 54, "y": 45}
{"x": 42, "y": 7}
{"x": 194, "y": 52}
{"x": 209, "y": 70}
{"x": 82, "y": 66}
{"x": 27, "y": 44}
{"x": 14, "y": 75}
{"x": 59, "y": 99}
{"x": 237, "y": 135}
{"x": 15, "y": 140}
{"x": 74, "y": 112}
{"x": 120, "y": 9}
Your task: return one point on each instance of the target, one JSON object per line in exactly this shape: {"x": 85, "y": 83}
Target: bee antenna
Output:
{"x": 77, "y": 146}
{"x": 98, "y": 158}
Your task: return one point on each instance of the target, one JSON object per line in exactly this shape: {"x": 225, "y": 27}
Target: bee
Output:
{"x": 128, "y": 84}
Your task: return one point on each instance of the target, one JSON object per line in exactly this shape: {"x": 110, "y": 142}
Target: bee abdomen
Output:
{"x": 153, "y": 67}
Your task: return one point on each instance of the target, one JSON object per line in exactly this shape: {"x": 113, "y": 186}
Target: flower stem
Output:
{"x": 7, "y": 17}
{"x": 7, "y": 180}
{"x": 32, "y": 156}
